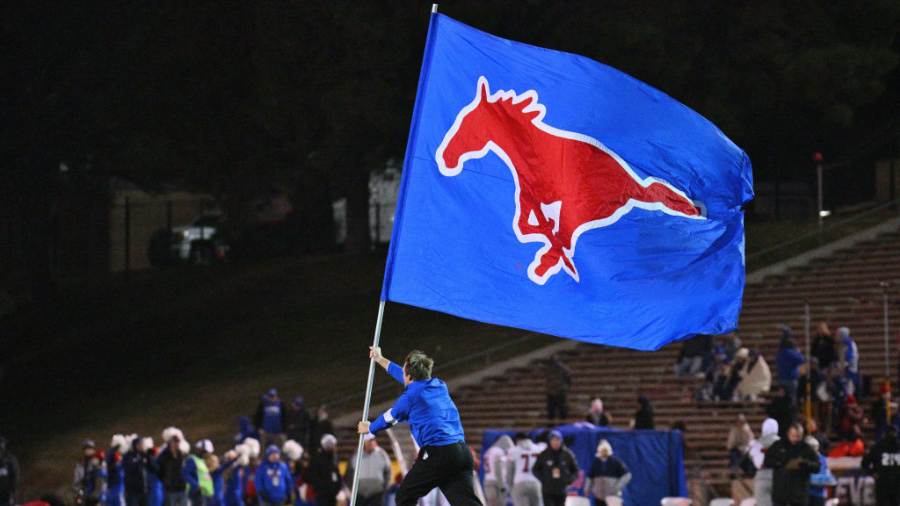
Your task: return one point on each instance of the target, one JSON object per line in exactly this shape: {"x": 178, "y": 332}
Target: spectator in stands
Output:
{"x": 882, "y": 461}
{"x": 374, "y": 475}
{"x": 739, "y": 438}
{"x": 495, "y": 479}
{"x": 849, "y": 430}
{"x": 321, "y": 426}
{"x": 559, "y": 380}
{"x": 731, "y": 344}
{"x": 781, "y": 410}
{"x": 792, "y": 462}
{"x": 597, "y": 415}
{"x": 812, "y": 430}
{"x": 9, "y": 475}
{"x": 820, "y": 480}
{"x": 200, "y": 486}
{"x": 273, "y": 479}
{"x": 169, "y": 466}
{"x": 756, "y": 378}
{"x": 692, "y": 355}
{"x": 324, "y": 475}
{"x": 298, "y": 423}
{"x": 270, "y": 418}
{"x": 788, "y": 362}
{"x": 849, "y": 356}
{"x": 762, "y": 477}
{"x": 136, "y": 464}
{"x": 879, "y": 410}
{"x": 643, "y": 417}
{"x": 823, "y": 347}
{"x": 556, "y": 469}
{"x": 608, "y": 475}
{"x": 718, "y": 380}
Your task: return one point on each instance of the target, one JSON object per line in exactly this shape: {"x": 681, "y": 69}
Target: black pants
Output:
{"x": 135, "y": 499}
{"x": 554, "y": 500}
{"x": 556, "y": 406}
{"x": 449, "y": 468}
{"x": 887, "y": 493}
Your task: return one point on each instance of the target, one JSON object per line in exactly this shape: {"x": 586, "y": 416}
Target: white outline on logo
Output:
{"x": 538, "y": 122}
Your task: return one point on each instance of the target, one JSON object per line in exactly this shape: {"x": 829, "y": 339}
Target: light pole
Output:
{"x": 818, "y": 159}
{"x": 807, "y": 405}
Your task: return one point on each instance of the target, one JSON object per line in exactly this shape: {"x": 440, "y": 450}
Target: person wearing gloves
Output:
{"x": 444, "y": 459}
{"x": 762, "y": 479}
{"x": 169, "y": 466}
{"x": 494, "y": 463}
{"x": 273, "y": 479}
{"x": 608, "y": 474}
{"x": 196, "y": 474}
{"x": 792, "y": 462}
{"x": 374, "y": 473}
{"x": 556, "y": 469}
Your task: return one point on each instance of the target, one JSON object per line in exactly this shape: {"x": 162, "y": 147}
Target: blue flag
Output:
{"x": 546, "y": 191}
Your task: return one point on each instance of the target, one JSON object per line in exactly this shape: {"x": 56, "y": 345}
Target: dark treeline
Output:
{"x": 238, "y": 97}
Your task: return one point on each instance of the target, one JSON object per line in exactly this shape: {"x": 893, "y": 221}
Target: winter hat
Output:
{"x": 769, "y": 427}
{"x": 556, "y": 434}
{"x": 272, "y": 449}
{"x": 292, "y": 449}
{"x": 299, "y": 401}
{"x": 328, "y": 441}
{"x": 272, "y": 392}
{"x": 843, "y": 332}
{"x": 369, "y": 437}
{"x": 204, "y": 445}
{"x": 88, "y": 443}
{"x": 604, "y": 445}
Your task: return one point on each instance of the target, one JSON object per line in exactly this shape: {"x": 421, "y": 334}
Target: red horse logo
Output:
{"x": 566, "y": 183}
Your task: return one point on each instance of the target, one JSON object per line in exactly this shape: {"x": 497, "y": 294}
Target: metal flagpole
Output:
{"x": 808, "y": 404}
{"x": 365, "y": 414}
{"x": 377, "y": 338}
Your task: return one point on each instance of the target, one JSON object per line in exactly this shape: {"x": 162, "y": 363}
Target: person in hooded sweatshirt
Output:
{"x": 608, "y": 475}
{"x": 556, "y": 469}
{"x": 792, "y": 462}
{"x": 196, "y": 474}
{"x": 494, "y": 463}
{"x": 788, "y": 362}
{"x": 762, "y": 479}
{"x": 883, "y": 461}
{"x": 115, "y": 472}
{"x": 273, "y": 479}
{"x": 135, "y": 463}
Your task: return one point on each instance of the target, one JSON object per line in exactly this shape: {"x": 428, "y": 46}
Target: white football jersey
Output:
{"x": 521, "y": 460}
{"x": 494, "y": 472}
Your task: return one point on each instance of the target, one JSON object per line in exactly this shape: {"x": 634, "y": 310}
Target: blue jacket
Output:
{"x": 823, "y": 476}
{"x": 432, "y": 415}
{"x": 115, "y": 478}
{"x": 155, "y": 498}
{"x": 273, "y": 482}
{"x": 218, "y": 498}
{"x": 787, "y": 361}
{"x": 234, "y": 487}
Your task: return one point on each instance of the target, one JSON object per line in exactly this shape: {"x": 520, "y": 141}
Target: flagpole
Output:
{"x": 370, "y": 382}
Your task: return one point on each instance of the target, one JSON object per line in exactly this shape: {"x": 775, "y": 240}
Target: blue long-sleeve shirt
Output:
{"x": 273, "y": 482}
{"x": 787, "y": 361}
{"x": 433, "y": 417}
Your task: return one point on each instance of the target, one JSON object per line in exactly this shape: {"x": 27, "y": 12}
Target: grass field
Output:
{"x": 195, "y": 347}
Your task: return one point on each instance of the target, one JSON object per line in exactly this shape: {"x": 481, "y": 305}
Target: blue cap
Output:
{"x": 272, "y": 449}
{"x": 272, "y": 392}
{"x": 555, "y": 434}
